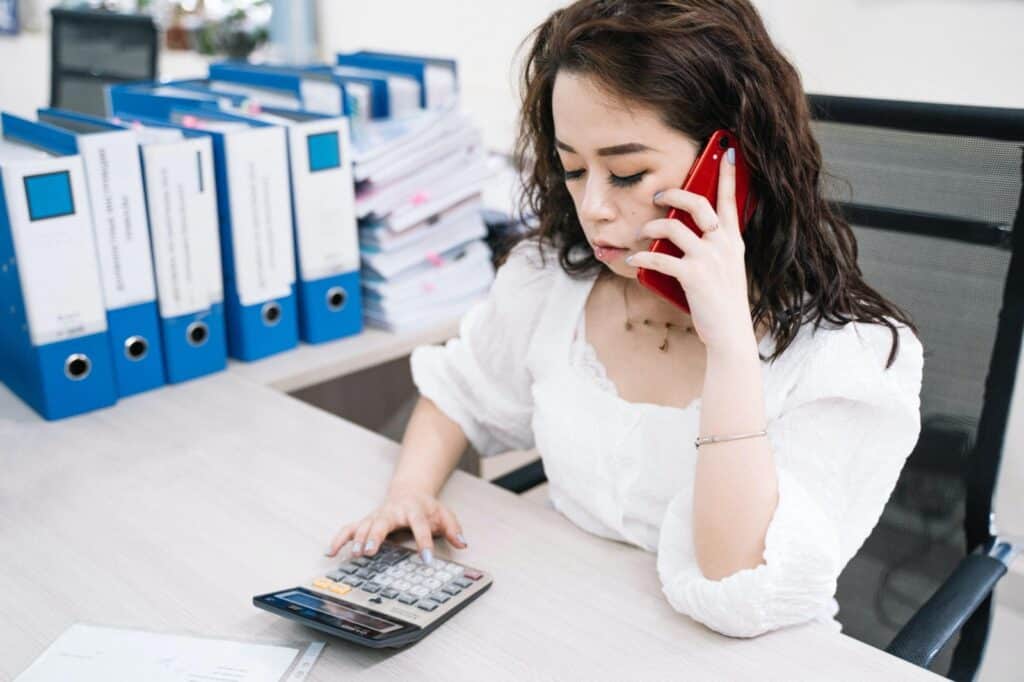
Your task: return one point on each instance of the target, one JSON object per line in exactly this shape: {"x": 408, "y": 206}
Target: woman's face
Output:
{"x": 615, "y": 159}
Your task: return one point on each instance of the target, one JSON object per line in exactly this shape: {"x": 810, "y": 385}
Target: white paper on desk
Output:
{"x": 92, "y": 653}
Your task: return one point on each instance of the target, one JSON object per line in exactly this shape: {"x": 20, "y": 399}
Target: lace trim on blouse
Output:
{"x": 584, "y": 358}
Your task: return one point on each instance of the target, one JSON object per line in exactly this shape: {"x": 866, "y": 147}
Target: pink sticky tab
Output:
{"x": 117, "y": 120}
{"x": 429, "y": 287}
{"x": 420, "y": 197}
{"x": 434, "y": 258}
{"x": 136, "y": 125}
{"x": 189, "y": 121}
{"x": 254, "y": 107}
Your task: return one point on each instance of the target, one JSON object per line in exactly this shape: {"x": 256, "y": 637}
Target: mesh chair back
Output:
{"x": 933, "y": 194}
{"x": 933, "y": 215}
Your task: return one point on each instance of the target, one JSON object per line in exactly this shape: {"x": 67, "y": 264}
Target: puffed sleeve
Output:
{"x": 480, "y": 379}
{"x": 839, "y": 443}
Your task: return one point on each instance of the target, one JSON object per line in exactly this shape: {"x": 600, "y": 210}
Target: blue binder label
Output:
{"x": 324, "y": 151}
{"x": 49, "y": 195}
{"x": 55, "y": 249}
{"x": 323, "y": 198}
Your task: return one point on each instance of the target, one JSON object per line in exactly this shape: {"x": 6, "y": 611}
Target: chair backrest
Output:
{"x": 91, "y": 49}
{"x": 933, "y": 193}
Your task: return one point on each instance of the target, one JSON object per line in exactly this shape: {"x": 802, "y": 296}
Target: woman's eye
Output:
{"x": 628, "y": 180}
{"x": 572, "y": 175}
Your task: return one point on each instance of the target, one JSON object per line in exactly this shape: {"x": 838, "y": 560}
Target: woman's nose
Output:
{"x": 595, "y": 206}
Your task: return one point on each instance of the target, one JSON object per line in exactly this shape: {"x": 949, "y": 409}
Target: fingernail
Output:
{"x": 657, "y": 196}
{"x": 461, "y": 539}
{"x": 328, "y": 552}
{"x": 629, "y": 259}
{"x": 370, "y": 544}
{"x": 427, "y": 556}
{"x": 357, "y": 548}
{"x": 731, "y": 155}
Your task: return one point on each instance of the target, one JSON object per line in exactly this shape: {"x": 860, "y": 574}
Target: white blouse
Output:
{"x": 522, "y": 375}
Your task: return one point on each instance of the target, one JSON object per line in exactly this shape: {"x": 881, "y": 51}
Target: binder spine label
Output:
{"x": 261, "y": 219}
{"x": 203, "y": 217}
{"x": 322, "y": 190}
{"x": 114, "y": 178}
{"x": 172, "y": 187}
{"x": 51, "y": 228}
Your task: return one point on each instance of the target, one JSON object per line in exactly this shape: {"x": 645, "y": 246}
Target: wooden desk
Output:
{"x": 172, "y": 509}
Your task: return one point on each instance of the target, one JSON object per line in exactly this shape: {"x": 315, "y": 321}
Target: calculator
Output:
{"x": 388, "y": 600}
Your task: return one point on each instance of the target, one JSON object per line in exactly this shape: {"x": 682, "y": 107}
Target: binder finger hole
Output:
{"x": 336, "y": 298}
{"x": 77, "y": 367}
{"x": 136, "y": 348}
{"x": 271, "y": 314}
{"x": 197, "y": 333}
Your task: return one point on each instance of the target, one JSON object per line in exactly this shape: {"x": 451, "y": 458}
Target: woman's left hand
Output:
{"x": 712, "y": 271}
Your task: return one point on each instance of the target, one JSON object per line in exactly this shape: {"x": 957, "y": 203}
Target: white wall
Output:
{"x": 956, "y": 51}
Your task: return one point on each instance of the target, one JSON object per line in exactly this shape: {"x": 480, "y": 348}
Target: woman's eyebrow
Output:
{"x": 628, "y": 148}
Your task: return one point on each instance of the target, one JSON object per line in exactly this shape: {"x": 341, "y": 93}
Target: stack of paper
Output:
{"x": 421, "y": 229}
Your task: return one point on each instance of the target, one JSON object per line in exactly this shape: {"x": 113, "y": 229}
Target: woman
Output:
{"x": 801, "y": 380}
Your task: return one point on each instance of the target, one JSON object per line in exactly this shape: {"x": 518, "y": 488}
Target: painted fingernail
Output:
{"x": 357, "y": 548}
{"x": 657, "y": 196}
{"x": 427, "y": 556}
{"x": 370, "y": 544}
{"x": 460, "y": 538}
{"x": 731, "y": 155}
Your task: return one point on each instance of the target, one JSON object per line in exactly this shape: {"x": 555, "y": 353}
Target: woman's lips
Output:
{"x": 607, "y": 254}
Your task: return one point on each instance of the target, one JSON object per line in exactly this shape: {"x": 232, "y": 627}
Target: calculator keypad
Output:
{"x": 397, "y": 578}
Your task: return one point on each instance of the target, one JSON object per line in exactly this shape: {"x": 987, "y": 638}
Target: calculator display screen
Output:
{"x": 335, "y": 610}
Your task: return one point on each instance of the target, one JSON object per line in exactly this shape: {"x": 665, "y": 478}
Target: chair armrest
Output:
{"x": 948, "y": 609}
{"x": 522, "y": 479}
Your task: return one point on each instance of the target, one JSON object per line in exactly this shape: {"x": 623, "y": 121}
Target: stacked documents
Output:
{"x": 421, "y": 229}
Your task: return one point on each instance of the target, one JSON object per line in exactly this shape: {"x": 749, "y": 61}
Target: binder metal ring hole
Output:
{"x": 271, "y": 313}
{"x": 77, "y": 367}
{"x": 336, "y": 298}
{"x": 197, "y": 333}
{"x": 136, "y": 348}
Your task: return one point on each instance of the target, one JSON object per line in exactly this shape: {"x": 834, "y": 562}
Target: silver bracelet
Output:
{"x": 704, "y": 440}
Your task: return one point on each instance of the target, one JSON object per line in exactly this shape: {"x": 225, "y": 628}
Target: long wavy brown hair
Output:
{"x": 704, "y": 65}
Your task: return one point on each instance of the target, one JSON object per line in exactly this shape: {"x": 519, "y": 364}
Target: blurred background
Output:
{"x": 926, "y": 50}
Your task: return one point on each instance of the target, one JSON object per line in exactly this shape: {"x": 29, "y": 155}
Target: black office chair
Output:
{"x": 934, "y": 194}
{"x": 90, "y": 49}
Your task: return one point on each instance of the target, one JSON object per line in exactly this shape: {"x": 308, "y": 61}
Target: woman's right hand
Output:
{"x": 422, "y": 513}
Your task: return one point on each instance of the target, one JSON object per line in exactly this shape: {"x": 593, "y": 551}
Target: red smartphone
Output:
{"x": 703, "y": 180}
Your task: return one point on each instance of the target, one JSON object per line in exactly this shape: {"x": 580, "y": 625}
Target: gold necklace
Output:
{"x": 687, "y": 329}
